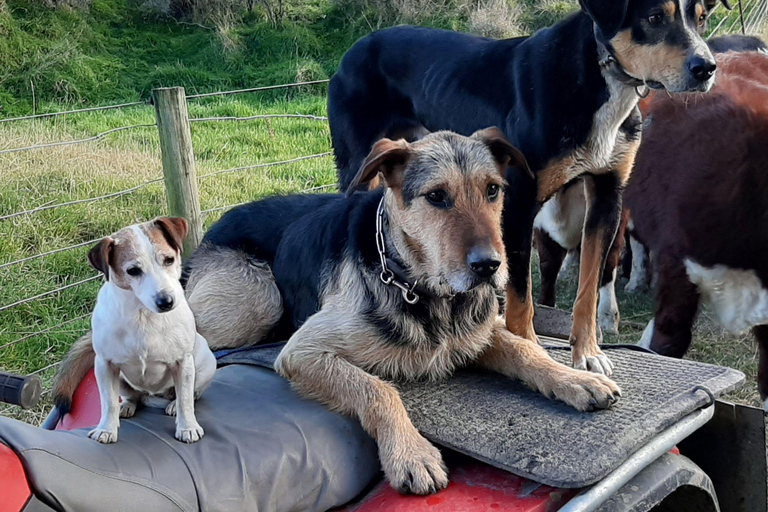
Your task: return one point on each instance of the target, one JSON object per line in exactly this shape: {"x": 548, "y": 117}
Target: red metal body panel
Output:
{"x": 14, "y": 489}
{"x": 474, "y": 487}
{"x": 86, "y": 409}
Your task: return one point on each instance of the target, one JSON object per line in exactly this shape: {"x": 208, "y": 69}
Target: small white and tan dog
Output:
{"x": 143, "y": 332}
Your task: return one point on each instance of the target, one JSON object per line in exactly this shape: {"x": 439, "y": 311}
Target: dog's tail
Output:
{"x": 72, "y": 370}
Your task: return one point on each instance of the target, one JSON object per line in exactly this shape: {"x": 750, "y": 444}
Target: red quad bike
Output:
{"x": 668, "y": 445}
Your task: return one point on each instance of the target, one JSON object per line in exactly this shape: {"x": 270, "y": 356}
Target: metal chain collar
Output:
{"x": 387, "y": 276}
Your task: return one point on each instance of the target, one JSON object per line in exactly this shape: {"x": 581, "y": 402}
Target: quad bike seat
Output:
{"x": 264, "y": 449}
{"x": 267, "y": 449}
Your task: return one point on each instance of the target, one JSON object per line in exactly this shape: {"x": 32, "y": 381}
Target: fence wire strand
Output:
{"x": 256, "y": 89}
{"x": 230, "y": 206}
{"x": 262, "y": 116}
{"x": 96, "y": 137}
{"x": 257, "y": 166}
{"x": 44, "y": 331}
{"x": 44, "y": 368}
{"x": 44, "y": 254}
{"x": 81, "y": 201}
{"x": 46, "y": 294}
{"x": 79, "y": 111}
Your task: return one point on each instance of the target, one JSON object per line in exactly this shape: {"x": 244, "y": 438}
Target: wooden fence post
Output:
{"x": 179, "y": 161}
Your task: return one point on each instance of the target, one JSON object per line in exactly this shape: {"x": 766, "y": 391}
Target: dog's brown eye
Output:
{"x": 438, "y": 198}
{"x": 702, "y": 19}
{"x": 493, "y": 192}
{"x": 134, "y": 271}
{"x": 655, "y": 18}
{"x": 168, "y": 261}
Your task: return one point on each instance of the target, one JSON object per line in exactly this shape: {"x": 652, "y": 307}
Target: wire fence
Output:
{"x": 77, "y": 324}
{"x": 747, "y": 17}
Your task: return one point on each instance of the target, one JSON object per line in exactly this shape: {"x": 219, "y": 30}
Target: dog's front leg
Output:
{"x": 188, "y": 430}
{"x": 603, "y": 194}
{"x": 108, "y": 381}
{"x": 317, "y": 371}
{"x": 522, "y": 359}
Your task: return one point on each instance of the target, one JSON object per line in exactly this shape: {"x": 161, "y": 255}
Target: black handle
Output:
{"x": 20, "y": 390}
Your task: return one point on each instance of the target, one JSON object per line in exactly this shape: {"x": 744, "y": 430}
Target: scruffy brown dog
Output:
{"x": 396, "y": 283}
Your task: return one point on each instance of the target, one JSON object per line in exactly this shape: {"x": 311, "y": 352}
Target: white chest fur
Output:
{"x": 605, "y": 143}
{"x": 737, "y": 296}
{"x": 143, "y": 344}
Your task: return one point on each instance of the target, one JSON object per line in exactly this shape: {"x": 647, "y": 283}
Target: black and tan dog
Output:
{"x": 566, "y": 97}
{"x": 396, "y": 283}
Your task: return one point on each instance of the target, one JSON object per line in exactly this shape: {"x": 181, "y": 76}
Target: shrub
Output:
{"x": 497, "y": 19}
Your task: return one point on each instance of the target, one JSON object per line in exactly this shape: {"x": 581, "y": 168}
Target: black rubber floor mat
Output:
{"x": 503, "y": 423}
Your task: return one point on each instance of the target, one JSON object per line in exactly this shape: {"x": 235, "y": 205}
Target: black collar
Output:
{"x": 393, "y": 271}
{"x": 611, "y": 65}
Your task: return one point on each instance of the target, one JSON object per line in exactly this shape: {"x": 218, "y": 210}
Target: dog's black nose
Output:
{"x": 701, "y": 68}
{"x": 164, "y": 302}
{"x": 483, "y": 261}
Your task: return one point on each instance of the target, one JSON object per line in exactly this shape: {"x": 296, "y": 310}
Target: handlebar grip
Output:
{"x": 20, "y": 390}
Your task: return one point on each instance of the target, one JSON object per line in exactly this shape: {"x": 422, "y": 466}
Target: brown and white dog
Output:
{"x": 395, "y": 283}
{"x": 700, "y": 204}
{"x": 143, "y": 343}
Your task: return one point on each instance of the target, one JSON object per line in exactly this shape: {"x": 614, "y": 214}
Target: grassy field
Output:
{"x": 61, "y": 59}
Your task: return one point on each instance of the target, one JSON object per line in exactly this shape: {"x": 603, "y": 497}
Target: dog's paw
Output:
{"x": 586, "y": 391}
{"x": 170, "y": 409}
{"x": 591, "y": 359}
{"x": 127, "y": 408}
{"x": 104, "y": 436}
{"x": 191, "y": 434}
{"x": 414, "y": 465}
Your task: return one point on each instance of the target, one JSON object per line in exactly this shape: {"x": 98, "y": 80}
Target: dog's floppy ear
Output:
{"x": 99, "y": 256}
{"x": 174, "y": 230}
{"x": 505, "y": 153}
{"x": 388, "y": 157}
{"x": 607, "y": 14}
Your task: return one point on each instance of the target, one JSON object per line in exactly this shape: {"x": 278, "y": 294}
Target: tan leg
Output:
{"x": 518, "y": 358}
{"x": 318, "y": 371}
{"x": 601, "y": 223}
{"x": 519, "y": 313}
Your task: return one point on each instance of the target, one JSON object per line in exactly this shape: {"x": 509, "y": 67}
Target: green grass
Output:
{"x": 112, "y": 54}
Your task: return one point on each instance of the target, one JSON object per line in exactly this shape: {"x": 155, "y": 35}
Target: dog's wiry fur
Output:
{"x": 240, "y": 282}
{"x": 349, "y": 331}
{"x": 143, "y": 342}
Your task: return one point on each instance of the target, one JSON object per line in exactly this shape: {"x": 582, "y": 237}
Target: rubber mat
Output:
{"x": 503, "y": 423}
